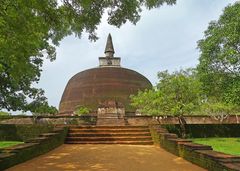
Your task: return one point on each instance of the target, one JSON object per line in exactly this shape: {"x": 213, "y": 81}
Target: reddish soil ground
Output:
{"x": 107, "y": 158}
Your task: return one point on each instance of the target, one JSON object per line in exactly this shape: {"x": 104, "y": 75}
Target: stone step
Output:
{"x": 47, "y": 134}
{"x": 106, "y": 130}
{"x": 140, "y": 138}
{"x": 109, "y": 127}
{"x": 109, "y": 116}
{"x": 110, "y": 121}
{"x": 112, "y": 142}
{"x": 108, "y": 134}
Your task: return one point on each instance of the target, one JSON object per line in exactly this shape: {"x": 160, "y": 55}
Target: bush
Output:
{"x": 81, "y": 110}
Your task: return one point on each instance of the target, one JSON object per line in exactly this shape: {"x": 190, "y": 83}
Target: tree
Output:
{"x": 219, "y": 110}
{"x": 41, "y": 108}
{"x": 219, "y": 67}
{"x": 31, "y": 29}
{"x": 177, "y": 94}
{"x": 147, "y": 102}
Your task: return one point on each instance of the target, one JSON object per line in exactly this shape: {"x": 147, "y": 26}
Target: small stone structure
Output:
{"x": 111, "y": 112}
{"x": 111, "y": 108}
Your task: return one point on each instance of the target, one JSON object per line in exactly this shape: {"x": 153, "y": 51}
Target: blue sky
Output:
{"x": 164, "y": 39}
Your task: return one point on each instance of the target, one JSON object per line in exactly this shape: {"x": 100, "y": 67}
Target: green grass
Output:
{"x": 4, "y": 144}
{"x": 225, "y": 145}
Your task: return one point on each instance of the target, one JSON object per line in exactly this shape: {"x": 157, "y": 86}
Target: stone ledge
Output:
{"x": 19, "y": 147}
{"x": 47, "y": 134}
{"x": 159, "y": 130}
{"x": 6, "y": 155}
{"x": 194, "y": 146}
{"x": 23, "y": 152}
{"x": 168, "y": 135}
{"x": 37, "y": 140}
{"x": 232, "y": 166}
{"x": 202, "y": 155}
{"x": 58, "y": 129}
{"x": 179, "y": 140}
{"x": 225, "y": 158}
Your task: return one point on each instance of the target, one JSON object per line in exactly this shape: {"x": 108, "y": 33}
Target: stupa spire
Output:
{"x": 109, "y": 50}
{"x": 109, "y": 60}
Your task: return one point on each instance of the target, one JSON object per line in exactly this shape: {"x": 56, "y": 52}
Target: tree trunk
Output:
{"x": 182, "y": 123}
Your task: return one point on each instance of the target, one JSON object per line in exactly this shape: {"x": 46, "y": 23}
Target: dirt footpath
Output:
{"x": 107, "y": 158}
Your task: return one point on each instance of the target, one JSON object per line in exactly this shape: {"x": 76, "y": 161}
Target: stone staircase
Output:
{"x": 135, "y": 135}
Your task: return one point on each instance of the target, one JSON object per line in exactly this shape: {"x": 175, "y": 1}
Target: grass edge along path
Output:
{"x": 224, "y": 145}
{"x": 4, "y": 144}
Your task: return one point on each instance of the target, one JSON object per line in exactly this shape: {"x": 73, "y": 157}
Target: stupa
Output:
{"x": 107, "y": 86}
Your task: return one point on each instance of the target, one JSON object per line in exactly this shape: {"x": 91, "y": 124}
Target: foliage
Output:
{"x": 30, "y": 30}
{"x": 41, "y": 107}
{"x": 219, "y": 108}
{"x": 219, "y": 67}
{"x": 81, "y": 110}
{"x": 181, "y": 92}
{"x": 176, "y": 94}
{"x": 147, "y": 102}
{"x": 225, "y": 145}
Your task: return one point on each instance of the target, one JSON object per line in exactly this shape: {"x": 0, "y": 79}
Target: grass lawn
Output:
{"x": 225, "y": 145}
{"x": 4, "y": 144}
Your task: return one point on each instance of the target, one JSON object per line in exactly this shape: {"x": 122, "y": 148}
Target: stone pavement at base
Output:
{"x": 107, "y": 158}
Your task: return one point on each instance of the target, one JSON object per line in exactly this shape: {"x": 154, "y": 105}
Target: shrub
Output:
{"x": 81, "y": 110}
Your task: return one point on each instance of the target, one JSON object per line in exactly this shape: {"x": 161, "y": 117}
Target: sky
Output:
{"x": 164, "y": 39}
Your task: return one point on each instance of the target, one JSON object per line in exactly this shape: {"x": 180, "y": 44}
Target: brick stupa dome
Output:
{"x": 108, "y": 82}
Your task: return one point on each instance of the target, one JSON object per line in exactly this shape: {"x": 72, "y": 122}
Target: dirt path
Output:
{"x": 107, "y": 158}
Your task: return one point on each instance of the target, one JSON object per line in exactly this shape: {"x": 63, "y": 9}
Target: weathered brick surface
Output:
{"x": 132, "y": 120}
{"x": 93, "y": 86}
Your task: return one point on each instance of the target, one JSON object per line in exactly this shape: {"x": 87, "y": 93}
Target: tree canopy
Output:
{"x": 214, "y": 87}
{"x": 31, "y": 29}
{"x": 219, "y": 67}
{"x": 176, "y": 94}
